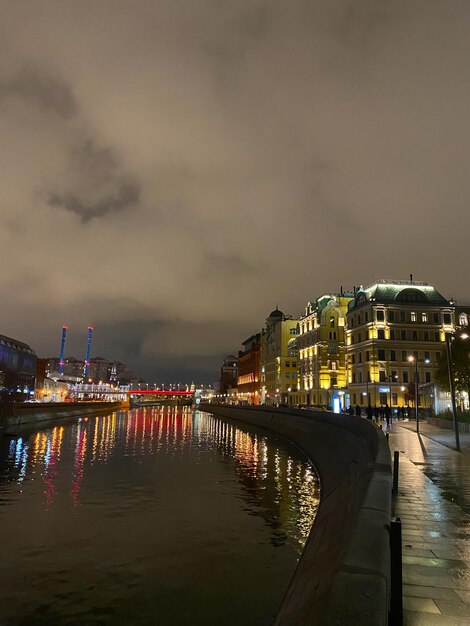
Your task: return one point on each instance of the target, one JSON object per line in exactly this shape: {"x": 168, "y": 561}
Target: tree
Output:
{"x": 461, "y": 366}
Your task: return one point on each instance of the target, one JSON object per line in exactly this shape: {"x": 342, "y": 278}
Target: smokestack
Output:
{"x": 86, "y": 369}
{"x": 62, "y": 349}
{"x": 411, "y": 278}
{"x": 341, "y": 290}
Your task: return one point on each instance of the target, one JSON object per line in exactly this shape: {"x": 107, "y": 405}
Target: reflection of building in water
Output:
{"x": 262, "y": 469}
{"x": 275, "y": 486}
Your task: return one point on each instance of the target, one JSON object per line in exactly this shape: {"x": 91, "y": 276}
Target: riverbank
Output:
{"x": 343, "y": 576}
{"x": 28, "y": 416}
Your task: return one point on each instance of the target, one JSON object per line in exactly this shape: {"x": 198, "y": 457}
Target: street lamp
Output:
{"x": 449, "y": 338}
{"x": 415, "y": 360}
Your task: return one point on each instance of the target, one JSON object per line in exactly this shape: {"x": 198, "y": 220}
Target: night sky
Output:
{"x": 172, "y": 170}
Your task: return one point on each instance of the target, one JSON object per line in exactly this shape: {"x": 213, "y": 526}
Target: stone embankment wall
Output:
{"x": 343, "y": 576}
{"x": 30, "y": 415}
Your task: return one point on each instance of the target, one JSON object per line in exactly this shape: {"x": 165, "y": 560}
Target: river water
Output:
{"x": 152, "y": 516}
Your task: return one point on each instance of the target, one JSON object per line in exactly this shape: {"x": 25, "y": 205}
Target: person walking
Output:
{"x": 388, "y": 414}
{"x": 358, "y": 411}
{"x": 351, "y": 410}
{"x": 369, "y": 412}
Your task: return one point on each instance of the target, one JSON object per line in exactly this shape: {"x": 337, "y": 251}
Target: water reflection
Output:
{"x": 179, "y": 479}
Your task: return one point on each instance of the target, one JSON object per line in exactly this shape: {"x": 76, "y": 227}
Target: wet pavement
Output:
{"x": 433, "y": 503}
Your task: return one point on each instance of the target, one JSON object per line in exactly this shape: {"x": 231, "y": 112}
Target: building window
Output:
{"x": 333, "y": 365}
{"x": 426, "y": 356}
{"x": 428, "y": 377}
{"x": 332, "y": 350}
{"x": 366, "y": 317}
{"x": 405, "y": 377}
{"x": 287, "y": 375}
{"x": 287, "y": 363}
{"x": 353, "y": 359}
{"x": 293, "y": 331}
{"x": 383, "y": 399}
{"x": 359, "y": 357}
{"x": 436, "y": 336}
{"x": 359, "y": 337}
{"x": 294, "y": 364}
{"x": 424, "y": 317}
{"x": 332, "y": 321}
{"x": 393, "y": 355}
{"x": 334, "y": 381}
{"x": 394, "y": 399}
{"x": 380, "y": 316}
{"x": 438, "y": 356}
{"x": 463, "y": 319}
{"x": 404, "y": 356}
{"x": 369, "y": 379}
{"x": 381, "y": 355}
{"x": 367, "y": 356}
{"x": 354, "y": 377}
{"x": 382, "y": 376}
{"x": 402, "y": 316}
{"x": 391, "y": 316}
{"x": 447, "y": 318}
{"x": 360, "y": 377}
{"x": 354, "y": 398}
{"x": 415, "y": 336}
{"x": 381, "y": 334}
{"x": 392, "y": 334}
{"x": 413, "y": 316}
{"x": 435, "y": 317}
{"x": 426, "y": 336}
{"x": 403, "y": 335}
{"x": 394, "y": 375}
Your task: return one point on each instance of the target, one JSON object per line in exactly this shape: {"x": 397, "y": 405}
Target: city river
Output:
{"x": 153, "y": 516}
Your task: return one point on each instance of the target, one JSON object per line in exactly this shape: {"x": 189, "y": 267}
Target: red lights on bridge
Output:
{"x": 159, "y": 392}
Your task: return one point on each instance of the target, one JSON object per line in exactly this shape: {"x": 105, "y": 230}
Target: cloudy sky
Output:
{"x": 172, "y": 170}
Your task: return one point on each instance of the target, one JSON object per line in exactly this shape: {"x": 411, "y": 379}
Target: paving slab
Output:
{"x": 433, "y": 503}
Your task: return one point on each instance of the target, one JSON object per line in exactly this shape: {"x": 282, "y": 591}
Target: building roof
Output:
{"x": 399, "y": 292}
{"x": 20, "y": 345}
{"x": 276, "y": 314}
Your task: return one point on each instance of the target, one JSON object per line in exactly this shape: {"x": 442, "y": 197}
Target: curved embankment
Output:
{"x": 30, "y": 415}
{"x": 343, "y": 576}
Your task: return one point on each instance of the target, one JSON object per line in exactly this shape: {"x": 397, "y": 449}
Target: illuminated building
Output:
{"x": 17, "y": 369}
{"x": 278, "y": 360}
{"x": 321, "y": 346}
{"x": 391, "y": 325}
{"x": 248, "y": 370}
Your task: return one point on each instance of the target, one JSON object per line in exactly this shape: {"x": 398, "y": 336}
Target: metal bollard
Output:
{"x": 396, "y": 468}
{"x": 396, "y": 592}
{"x": 387, "y": 435}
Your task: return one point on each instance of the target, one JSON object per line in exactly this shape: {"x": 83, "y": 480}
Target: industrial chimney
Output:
{"x": 86, "y": 369}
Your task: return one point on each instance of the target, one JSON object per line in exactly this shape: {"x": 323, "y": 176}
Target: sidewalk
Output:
{"x": 433, "y": 503}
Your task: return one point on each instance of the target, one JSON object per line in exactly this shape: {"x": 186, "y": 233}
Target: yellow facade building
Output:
{"x": 394, "y": 328}
{"x": 321, "y": 345}
{"x": 278, "y": 360}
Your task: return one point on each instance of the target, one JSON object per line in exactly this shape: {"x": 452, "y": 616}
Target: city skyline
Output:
{"x": 172, "y": 174}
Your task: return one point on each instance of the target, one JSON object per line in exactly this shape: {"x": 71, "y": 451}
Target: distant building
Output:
{"x": 17, "y": 369}
{"x": 321, "y": 348}
{"x": 391, "y": 325}
{"x": 229, "y": 374}
{"x": 278, "y": 361}
{"x": 248, "y": 369}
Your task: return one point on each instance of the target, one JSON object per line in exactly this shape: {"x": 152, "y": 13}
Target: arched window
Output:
{"x": 411, "y": 295}
{"x": 463, "y": 319}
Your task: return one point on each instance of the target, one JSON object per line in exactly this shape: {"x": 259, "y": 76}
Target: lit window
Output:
{"x": 413, "y": 316}
{"x": 424, "y": 317}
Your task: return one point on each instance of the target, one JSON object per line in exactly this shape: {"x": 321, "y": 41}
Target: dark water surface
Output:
{"x": 151, "y": 516}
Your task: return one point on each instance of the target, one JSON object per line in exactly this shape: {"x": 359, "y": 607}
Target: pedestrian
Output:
{"x": 388, "y": 414}
{"x": 358, "y": 411}
{"x": 351, "y": 410}
{"x": 369, "y": 412}
{"x": 376, "y": 413}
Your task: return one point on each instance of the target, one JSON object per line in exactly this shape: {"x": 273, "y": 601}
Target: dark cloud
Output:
{"x": 127, "y": 195}
{"x": 41, "y": 89}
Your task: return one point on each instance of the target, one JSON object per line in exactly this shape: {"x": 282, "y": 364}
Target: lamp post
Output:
{"x": 415, "y": 360}
{"x": 450, "y": 369}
